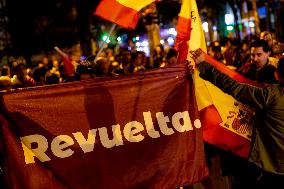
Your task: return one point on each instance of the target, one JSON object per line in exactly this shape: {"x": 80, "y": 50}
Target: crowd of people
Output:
{"x": 63, "y": 65}
{"x": 58, "y": 67}
{"x": 257, "y": 58}
{"x": 263, "y": 169}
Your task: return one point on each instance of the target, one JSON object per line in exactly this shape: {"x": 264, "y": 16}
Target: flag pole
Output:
{"x": 105, "y": 41}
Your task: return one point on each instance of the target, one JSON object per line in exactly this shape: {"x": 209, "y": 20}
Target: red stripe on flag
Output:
{"x": 183, "y": 28}
{"x": 117, "y": 13}
{"x": 183, "y": 35}
{"x": 223, "y": 68}
{"x": 210, "y": 116}
{"x": 215, "y": 134}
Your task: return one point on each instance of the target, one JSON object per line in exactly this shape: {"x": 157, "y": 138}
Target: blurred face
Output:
{"x": 268, "y": 38}
{"x": 105, "y": 66}
{"x": 258, "y": 56}
{"x": 55, "y": 64}
{"x": 45, "y": 60}
{"x": 109, "y": 52}
{"x": 158, "y": 49}
{"x": 128, "y": 56}
{"x": 244, "y": 47}
{"x": 172, "y": 60}
{"x": 139, "y": 60}
{"x": 21, "y": 72}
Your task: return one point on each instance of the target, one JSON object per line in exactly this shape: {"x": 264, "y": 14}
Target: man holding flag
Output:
{"x": 213, "y": 104}
{"x": 266, "y": 169}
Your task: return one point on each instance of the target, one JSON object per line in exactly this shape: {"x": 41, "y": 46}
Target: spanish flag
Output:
{"x": 226, "y": 122}
{"x": 190, "y": 34}
{"x": 122, "y": 12}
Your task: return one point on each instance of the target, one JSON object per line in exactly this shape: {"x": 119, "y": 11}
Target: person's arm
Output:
{"x": 253, "y": 96}
{"x": 68, "y": 66}
{"x": 60, "y": 52}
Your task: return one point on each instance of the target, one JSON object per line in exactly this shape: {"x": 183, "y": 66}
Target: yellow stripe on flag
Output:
{"x": 185, "y": 9}
{"x": 227, "y": 108}
{"x": 135, "y": 4}
{"x": 197, "y": 39}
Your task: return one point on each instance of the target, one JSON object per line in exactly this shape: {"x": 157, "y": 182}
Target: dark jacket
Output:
{"x": 267, "y": 145}
{"x": 248, "y": 70}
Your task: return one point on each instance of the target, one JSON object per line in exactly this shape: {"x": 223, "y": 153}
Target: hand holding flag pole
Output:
{"x": 198, "y": 56}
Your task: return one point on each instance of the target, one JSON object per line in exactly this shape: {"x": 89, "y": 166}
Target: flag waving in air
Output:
{"x": 226, "y": 122}
{"x": 190, "y": 34}
{"x": 122, "y": 12}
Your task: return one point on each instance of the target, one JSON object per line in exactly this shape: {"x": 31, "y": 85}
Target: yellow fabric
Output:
{"x": 206, "y": 93}
{"x": 135, "y": 4}
{"x": 197, "y": 40}
{"x": 186, "y": 7}
{"x": 189, "y": 10}
{"x": 273, "y": 61}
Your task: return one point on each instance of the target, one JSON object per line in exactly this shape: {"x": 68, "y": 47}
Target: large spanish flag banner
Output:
{"x": 141, "y": 131}
{"x": 125, "y": 13}
{"x": 226, "y": 122}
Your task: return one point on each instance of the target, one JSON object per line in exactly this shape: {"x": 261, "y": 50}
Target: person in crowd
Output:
{"x": 171, "y": 58}
{"x": 109, "y": 52}
{"x": 266, "y": 75}
{"x": 215, "y": 50}
{"x": 86, "y": 69}
{"x": 265, "y": 165}
{"x": 21, "y": 79}
{"x": 277, "y": 46}
{"x": 158, "y": 56}
{"x": 125, "y": 66}
{"x": 259, "y": 57}
{"x": 39, "y": 73}
{"x": 138, "y": 61}
{"x": 102, "y": 68}
{"x": 267, "y": 36}
{"x": 5, "y": 79}
{"x": 68, "y": 64}
{"x": 52, "y": 76}
{"x": 11, "y": 64}
{"x": 241, "y": 54}
{"x": 228, "y": 51}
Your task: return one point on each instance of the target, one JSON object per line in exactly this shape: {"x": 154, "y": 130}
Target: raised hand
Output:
{"x": 198, "y": 56}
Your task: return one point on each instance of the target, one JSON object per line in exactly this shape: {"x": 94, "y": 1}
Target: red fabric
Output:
{"x": 117, "y": 13}
{"x": 214, "y": 134}
{"x": 182, "y": 38}
{"x": 233, "y": 74}
{"x": 17, "y": 174}
{"x": 166, "y": 161}
{"x": 68, "y": 66}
